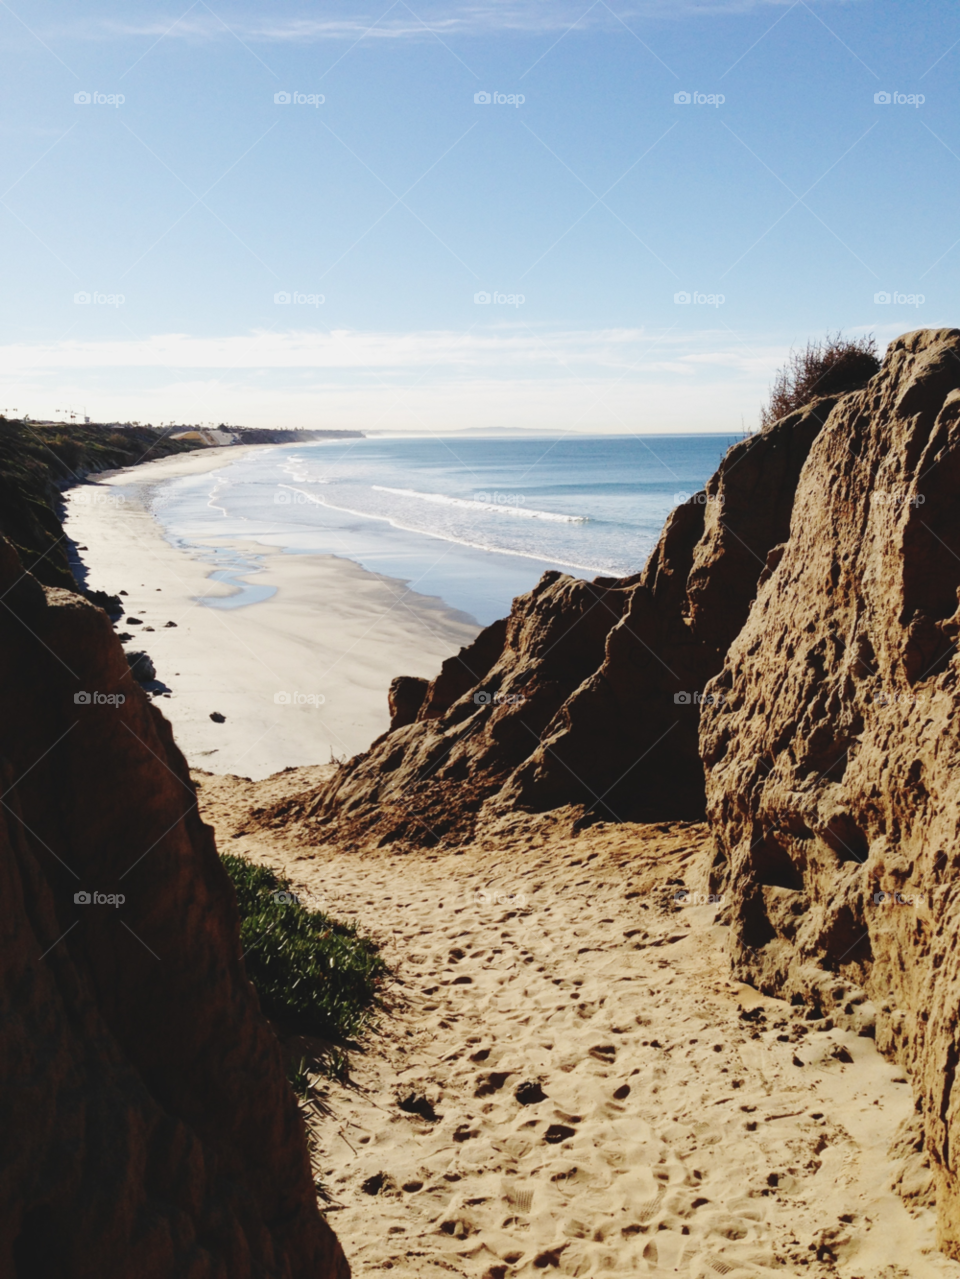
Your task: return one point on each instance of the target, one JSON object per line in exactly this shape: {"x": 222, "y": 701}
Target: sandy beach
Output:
{"x": 568, "y": 1081}
{"x": 300, "y": 678}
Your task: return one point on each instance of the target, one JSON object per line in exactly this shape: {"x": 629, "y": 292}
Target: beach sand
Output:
{"x": 568, "y": 1081}
{"x": 332, "y": 631}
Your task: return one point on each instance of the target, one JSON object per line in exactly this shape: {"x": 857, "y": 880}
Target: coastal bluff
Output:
{"x": 832, "y": 745}
{"x": 786, "y": 666}
{"x": 147, "y": 1125}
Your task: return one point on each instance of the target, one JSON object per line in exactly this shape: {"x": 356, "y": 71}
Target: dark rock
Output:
{"x": 217, "y": 717}
{"x": 405, "y": 699}
{"x": 146, "y": 1125}
{"x": 141, "y": 666}
{"x": 111, "y": 604}
{"x": 529, "y": 1093}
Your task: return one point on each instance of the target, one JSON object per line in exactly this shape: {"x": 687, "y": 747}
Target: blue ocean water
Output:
{"x": 474, "y": 521}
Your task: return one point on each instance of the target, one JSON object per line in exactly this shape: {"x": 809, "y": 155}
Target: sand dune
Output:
{"x": 567, "y": 1080}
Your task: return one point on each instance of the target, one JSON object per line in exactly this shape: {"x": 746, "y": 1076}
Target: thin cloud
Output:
{"x": 404, "y": 23}
{"x": 446, "y": 352}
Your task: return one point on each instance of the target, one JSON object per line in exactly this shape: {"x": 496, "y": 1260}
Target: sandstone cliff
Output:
{"x": 573, "y": 699}
{"x": 147, "y": 1126}
{"x": 832, "y": 755}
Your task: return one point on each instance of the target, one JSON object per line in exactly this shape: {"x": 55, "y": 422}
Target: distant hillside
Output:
{"x": 38, "y": 461}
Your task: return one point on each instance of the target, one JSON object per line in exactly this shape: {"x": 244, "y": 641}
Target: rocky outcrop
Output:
{"x": 589, "y": 693}
{"x": 832, "y": 746}
{"x": 146, "y": 1125}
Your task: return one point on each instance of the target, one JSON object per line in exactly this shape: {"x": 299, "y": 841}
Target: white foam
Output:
{"x": 522, "y": 512}
{"x": 446, "y": 537}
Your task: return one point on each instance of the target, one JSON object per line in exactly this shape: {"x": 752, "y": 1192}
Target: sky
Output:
{"x": 293, "y": 214}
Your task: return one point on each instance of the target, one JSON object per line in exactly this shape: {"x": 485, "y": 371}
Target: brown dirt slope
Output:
{"x": 832, "y": 762}
{"x": 146, "y": 1126}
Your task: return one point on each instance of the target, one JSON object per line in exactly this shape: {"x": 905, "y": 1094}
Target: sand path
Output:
{"x": 568, "y": 1081}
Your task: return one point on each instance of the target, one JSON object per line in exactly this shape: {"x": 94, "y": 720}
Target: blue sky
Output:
{"x": 781, "y": 210}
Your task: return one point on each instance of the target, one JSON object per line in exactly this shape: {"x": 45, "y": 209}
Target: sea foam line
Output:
{"x": 523, "y": 512}
{"x": 442, "y": 537}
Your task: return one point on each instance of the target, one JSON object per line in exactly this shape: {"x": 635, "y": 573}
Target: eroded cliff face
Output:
{"x": 588, "y": 694}
{"x": 833, "y": 755}
{"x": 146, "y": 1124}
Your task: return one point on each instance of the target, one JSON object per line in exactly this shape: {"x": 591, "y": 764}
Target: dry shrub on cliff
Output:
{"x": 314, "y": 975}
{"x": 831, "y": 367}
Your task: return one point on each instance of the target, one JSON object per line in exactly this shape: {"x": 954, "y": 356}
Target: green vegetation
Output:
{"x": 36, "y": 462}
{"x": 831, "y": 367}
{"x": 314, "y": 975}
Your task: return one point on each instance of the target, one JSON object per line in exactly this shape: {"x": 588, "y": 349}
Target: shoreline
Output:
{"x": 330, "y": 637}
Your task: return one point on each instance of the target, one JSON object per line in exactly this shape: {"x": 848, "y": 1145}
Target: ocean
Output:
{"x": 474, "y": 521}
